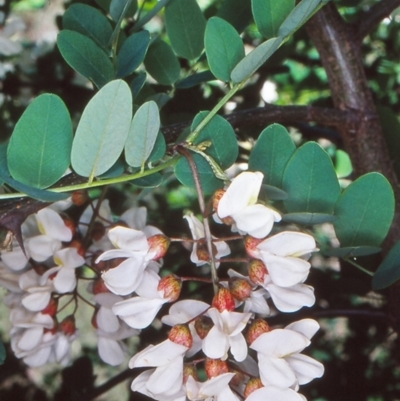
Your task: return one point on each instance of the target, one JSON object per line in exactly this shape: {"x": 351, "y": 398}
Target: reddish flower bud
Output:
{"x": 223, "y": 300}
{"x": 238, "y": 379}
{"x": 39, "y": 269}
{"x": 180, "y": 334}
{"x": 252, "y": 385}
{"x": 98, "y": 231}
{"x": 218, "y": 194}
{"x": 240, "y": 288}
{"x": 51, "y": 308}
{"x": 159, "y": 244}
{"x": 99, "y": 286}
{"x": 78, "y": 245}
{"x": 189, "y": 370}
{"x": 257, "y": 271}
{"x": 67, "y": 326}
{"x": 256, "y": 328}
{"x": 250, "y": 245}
{"x": 202, "y": 252}
{"x": 215, "y": 367}
{"x": 79, "y": 197}
{"x": 171, "y": 287}
{"x": 70, "y": 224}
{"x": 203, "y": 325}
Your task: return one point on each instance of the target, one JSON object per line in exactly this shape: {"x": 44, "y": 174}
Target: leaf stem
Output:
{"x": 359, "y": 267}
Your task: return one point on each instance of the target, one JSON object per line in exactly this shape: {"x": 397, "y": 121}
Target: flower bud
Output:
{"x": 203, "y": 325}
{"x": 67, "y": 326}
{"x": 215, "y": 367}
{"x": 51, "y": 308}
{"x": 159, "y": 244}
{"x": 170, "y": 286}
{"x": 238, "y": 379}
{"x": 99, "y": 286}
{"x": 79, "y": 197}
{"x": 218, "y": 194}
{"x": 39, "y": 269}
{"x": 256, "y": 328}
{"x": 252, "y": 385}
{"x": 54, "y": 329}
{"x": 78, "y": 245}
{"x": 257, "y": 271}
{"x": 189, "y": 370}
{"x": 70, "y": 224}
{"x": 240, "y": 288}
{"x": 180, "y": 334}
{"x": 250, "y": 245}
{"x": 98, "y": 231}
{"x": 223, "y": 300}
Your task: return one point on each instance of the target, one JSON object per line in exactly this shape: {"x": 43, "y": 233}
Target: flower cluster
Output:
{"x": 227, "y": 340}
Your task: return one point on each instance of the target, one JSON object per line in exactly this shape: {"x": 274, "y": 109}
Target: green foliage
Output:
{"x": 310, "y": 181}
{"x": 122, "y": 7}
{"x": 224, "y": 47}
{"x": 84, "y": 56}
{"x": 102, "y": 130}
{"x": 236, "y": 12}
{"x": 2, "y": 353}
{"x": 388, "y": 271}
{"x": 142, "y": 134}
{"x": 364, "y": 211}
{"x": 42, "y": 139}
{"x": 271, "y": 153}
{"x": 137, "y": 84}
{"x": 269, "y": 15}
{"x": 185, "y": 25}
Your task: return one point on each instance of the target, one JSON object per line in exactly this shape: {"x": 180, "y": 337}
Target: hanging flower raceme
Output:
{"x": 239, "y": 203}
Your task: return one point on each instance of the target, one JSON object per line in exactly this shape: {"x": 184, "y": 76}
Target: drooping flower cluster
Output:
{"x": 122, "y": 258}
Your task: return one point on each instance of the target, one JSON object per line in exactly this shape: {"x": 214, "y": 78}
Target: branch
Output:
{"x": 371, "y": 18}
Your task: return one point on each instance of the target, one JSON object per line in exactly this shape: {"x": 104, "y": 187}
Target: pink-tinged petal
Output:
{"x": 183, "y": 311}
{"x": 135, "y": 217}
{"x": 36, "y": 301}
{"x": 241, "y": 193}
{"x": 305, "y": 368}
{"x": 61, "y": 348}
{"x": 195, "y": 225}
{"x": 110, "y": 351}
{"x": 256, "y": 220}
{"x": 222, "y": 249}
{"x": 215, "y": 386}
{"x": 215, "y": 344}
{"x": 288, "y": 243}
{"x": 234, "y": 322}
{"x": 276, "y": 372}
{"x": 285, "y": 272}
{"x": 52, "y": 225}
{"x": 65, "y": 280}
{"x": 291, "y": 299}
{"x": 127, "y": 238}
{"x": 168, "y": 379}
{"x": 280, "y": 343}
{"x": 42, "y": 247}
{"x": 238, "y": 347}
{"x": 38, "y": 358}
{"x": 272, "y": 393}
{"x": 15, "y": 259}
{"x": 257, "y": 303}
{"x": 217, "y": 318}
{"x": 69, "y": 257}
{"x": 138, "y": 312}
{"x": 157, "y": 355}
{"x": 107, "y": 299}
{"x": 148, "y": 287}
{"x": 307, "y": 327}
{"x": 117, "y": 253}
{"x": 30, "y": 338}
{"x": 125, "y": 278}
{"x": 107, "y": 321}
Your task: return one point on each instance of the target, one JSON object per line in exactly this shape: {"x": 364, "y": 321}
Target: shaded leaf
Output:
{"x": 236, "y": 12}
{"x": 102, "y": 130}
{"x": 137, "y": 84}
{"x": 273, "y": 193}
{"x": 195, "y": 79}
{"x": 308, "y": 219}
{"x": 84, "y": 56}
{"x": 159, "y": 149}
{"x": 42, "y": 138}
{"x": 350, "y": 252}
{"x": 117, "y": 8}
{"x": 364, "y": 211}
{"x": 150, "y": 181}
{"x": 2, "y": 353}
{"x": 388, "y": 271}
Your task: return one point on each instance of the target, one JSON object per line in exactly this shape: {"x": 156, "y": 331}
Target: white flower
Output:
{"x": 226, "y": 333}
{"x": 239, "y": 203}
{"x": 38, "y": 290}
{"x": 291, "y": 299}
{"x": 275, "y": 393}
{"x": 197, "y": 230}
{"x": 282, "y": 254}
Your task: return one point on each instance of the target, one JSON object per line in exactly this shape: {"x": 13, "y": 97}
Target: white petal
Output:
{"x": 288, "y": 243}
{"x": 216, "y": 385}
{"x": 272, "y": 393}
{"x": 307, "y": 327}
{"x": 183, "y": 311}
{"x": 242, "y": 192}
{"x": 42, "y": 247}
{"x": 36, "y": 301}
{"x": 110, "y": 351}
{"x": 52, "y": 225}
{"x": 195, "y": 225}
{"x": 38, "y": 358}
{"x": 305, "y": 368}
{"x": 30, "y": 338}
{"x": 135, "y": 217}
{"x": 61, "y": 348}
{"x": 167, "y": 379}
{"x": 215, "y": 344}
{"x": 127, "y": 238}
{"x": 139, "y": 384}
{"x": 291, "y": 299}
{"x": 107, "y": 321}
{"x": 65, "y": 280}
{"x": 15, "y": 259}
{"x": 69, "y": 257}
{"x": 117, "y": 253}
{"x": 238, "y": 347}
{"x": 275, "y": 371}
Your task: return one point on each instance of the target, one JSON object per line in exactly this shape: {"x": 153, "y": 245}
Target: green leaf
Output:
{"x": 388, "y": 271}
{"x": 224, "y": 47}
{"x": 308, "y": 219}
{"x": 161, "y": 63}
{"x": 195, "y": 79}
{"x": 299, "y": 15}
{"x": 90, "y": 22}
{"x": 117, "y": 8}
{"x": 271, "y": 153}
{"x": 137, "y": 84}
{"x": 142, "y": 134}
{"x": 132, "y": 53}
{"x": 352, "y": 251}
{"x": 115, "y": 170}
{"x": 42, "y": 139}
{"x": 236, "y": 12}
{"x": 343, "y": 165}
{"x": 82, "y": 54}
{"x": 185, "y": 25}
{"x": 159, "y": 149}
{"x": 364, "y": 211}
{"x": 102, "y": 130}
{"x": 273, "y": 193}
{"x": 254, "y": 60}
{"x": 2, "y": 353}
{"x": 310, "y": 181}
{"x": 150, "y": 181}
{"x": 269, "y": 15}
